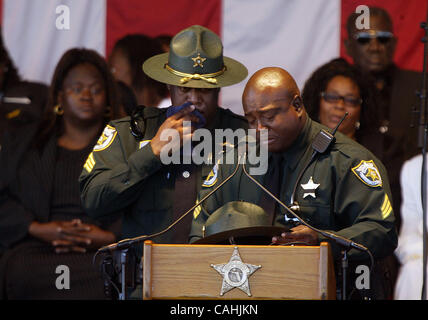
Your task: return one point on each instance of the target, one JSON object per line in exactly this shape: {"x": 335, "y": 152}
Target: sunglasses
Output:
{"x": 382, "y": 37}
{"x": 335, "y": 98}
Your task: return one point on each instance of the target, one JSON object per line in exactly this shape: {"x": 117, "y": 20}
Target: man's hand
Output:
{"x": 300, "y": 233}
{"x": 175, "y": 122}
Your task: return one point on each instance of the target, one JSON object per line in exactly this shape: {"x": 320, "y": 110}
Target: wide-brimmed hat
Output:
{"x": 195, "y": 59}
{"x": 244, "y": 222}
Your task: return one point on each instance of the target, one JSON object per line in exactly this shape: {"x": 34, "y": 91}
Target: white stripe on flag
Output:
{"x": 36, "y": 44}
{"x": 298, "y": 36}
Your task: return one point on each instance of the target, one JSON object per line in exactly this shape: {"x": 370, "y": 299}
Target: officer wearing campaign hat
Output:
{"x": 125, "y": 171}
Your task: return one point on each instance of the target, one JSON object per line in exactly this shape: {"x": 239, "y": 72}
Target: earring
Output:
{"x": 58, "y": 110}
{"x": 357, "y": 125}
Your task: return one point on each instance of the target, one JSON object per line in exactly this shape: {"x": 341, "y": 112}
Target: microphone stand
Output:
{"x": 125, "y": 245}
{"x": 424, "y": 127}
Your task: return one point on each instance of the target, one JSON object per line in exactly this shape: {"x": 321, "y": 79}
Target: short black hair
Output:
{"x": 318, "y": 83}
{"x": 137, "y": 49}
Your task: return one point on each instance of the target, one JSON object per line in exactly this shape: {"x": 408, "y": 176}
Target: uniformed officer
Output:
{"x": 125, "y": 170}
{"x": 344, "y": 189}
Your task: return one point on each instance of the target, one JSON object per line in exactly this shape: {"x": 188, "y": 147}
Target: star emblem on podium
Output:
{"x": 310, "y": 188}
{"x": 235, "y": 273}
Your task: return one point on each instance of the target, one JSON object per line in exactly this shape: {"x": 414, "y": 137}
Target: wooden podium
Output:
{"x": 286, "y": 272}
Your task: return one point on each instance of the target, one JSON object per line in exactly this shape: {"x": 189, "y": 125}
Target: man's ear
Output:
{"x": 298, "y": 102}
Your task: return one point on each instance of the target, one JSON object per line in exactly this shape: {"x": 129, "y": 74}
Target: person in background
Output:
{"x": 410, "y": 239}
{"x": 164, "y": 40}
{"x": 336, "y": 88}
{"x": 127, "y": 100}
{"x": 372, "y": 52}
{"x": 42, "y": 222}
{"x": 21, "y": 102}
{"x": 126, "y": 60}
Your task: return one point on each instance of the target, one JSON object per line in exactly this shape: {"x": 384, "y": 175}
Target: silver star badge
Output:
{"x": 235, "y": 273}
{"x": 310, "y": 188}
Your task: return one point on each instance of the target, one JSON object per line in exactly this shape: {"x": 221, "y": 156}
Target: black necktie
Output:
{"x": 272, "y": 182}
{"x": 184, "y": 199}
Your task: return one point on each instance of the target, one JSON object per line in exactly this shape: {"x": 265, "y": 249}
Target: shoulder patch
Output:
{"x": 143, "y": 143}
{"x": 211, "y": 178}
{"x": 368, "y": 173}
{"x": 106, "y": 138}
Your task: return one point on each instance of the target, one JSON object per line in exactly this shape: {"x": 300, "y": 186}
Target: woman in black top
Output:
{"x": 43, "y": 228}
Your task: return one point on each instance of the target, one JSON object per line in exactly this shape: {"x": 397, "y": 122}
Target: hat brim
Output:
{"x": 154, "y": 67}
{"x": 260, "y": 235}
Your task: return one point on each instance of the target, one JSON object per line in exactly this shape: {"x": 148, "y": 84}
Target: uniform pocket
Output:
{"x": 317, "y": 215}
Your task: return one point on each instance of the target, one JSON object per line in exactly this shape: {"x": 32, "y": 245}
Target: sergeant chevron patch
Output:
{"x": 386, "y": 207}
{"x": 90, "y": 162}
{"x": 368, "y": 173}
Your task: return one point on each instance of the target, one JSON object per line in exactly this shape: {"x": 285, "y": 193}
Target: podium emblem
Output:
{"x": 235, "y": 273}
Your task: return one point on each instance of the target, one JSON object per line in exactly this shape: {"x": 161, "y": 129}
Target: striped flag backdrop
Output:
{"x": 298, "y": 35}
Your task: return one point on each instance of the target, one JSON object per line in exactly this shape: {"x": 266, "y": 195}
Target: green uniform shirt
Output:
{"x": 123, "y": 174}
{"x": 347, "y": 191}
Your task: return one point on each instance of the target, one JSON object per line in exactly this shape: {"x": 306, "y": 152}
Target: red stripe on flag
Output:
{"x": 158, "y": 17}
{"x": 406, "y": 17}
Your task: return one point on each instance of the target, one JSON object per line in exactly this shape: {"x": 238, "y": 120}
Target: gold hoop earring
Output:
{"x": 58, "y": 110}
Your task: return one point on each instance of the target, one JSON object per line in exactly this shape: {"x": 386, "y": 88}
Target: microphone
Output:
{"x": 126, "y": 243}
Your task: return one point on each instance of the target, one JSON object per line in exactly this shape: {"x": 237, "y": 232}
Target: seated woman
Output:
{"x": 336, "y": 88}
{"x": 43, "y": 228}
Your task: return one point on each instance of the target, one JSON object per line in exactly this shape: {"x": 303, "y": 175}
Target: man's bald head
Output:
{"x": 271, "y": 78}
{"x": 272, "y": 101}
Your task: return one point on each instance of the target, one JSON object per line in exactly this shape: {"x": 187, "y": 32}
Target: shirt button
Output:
{"x": 186, "y": 174}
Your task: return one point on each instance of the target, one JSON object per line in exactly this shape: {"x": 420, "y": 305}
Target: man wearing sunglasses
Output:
{"x": 373, "y": 51}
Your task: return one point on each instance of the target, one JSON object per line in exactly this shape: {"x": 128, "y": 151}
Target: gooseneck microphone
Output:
{"x": 126, "y": 243}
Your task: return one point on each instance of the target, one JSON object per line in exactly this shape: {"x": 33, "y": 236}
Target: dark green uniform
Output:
{"x": 122, "y": 173}
{"x": 345, "y": 190}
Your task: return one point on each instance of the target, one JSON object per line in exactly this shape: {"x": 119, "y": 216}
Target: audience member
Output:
{"x": 127, "y": 100}
{"x": 164, "y": 40}
{"x": 372, "y": 51}
{"x": 410, "y": 240}
{"x": 42, "y": 223}
{"x": 336, "y": 88}
{"x": 21, "y": 101}
{"x": 126, "y": 62}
